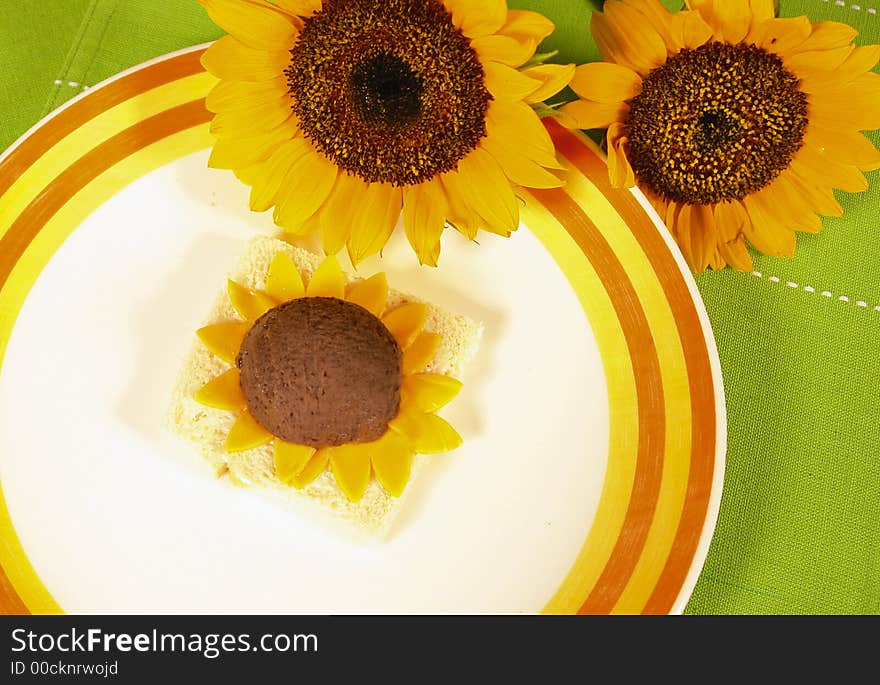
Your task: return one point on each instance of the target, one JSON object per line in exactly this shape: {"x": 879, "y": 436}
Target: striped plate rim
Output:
{"x": 661, "y": 494}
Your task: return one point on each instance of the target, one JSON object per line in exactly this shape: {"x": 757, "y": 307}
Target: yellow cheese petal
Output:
{"x": 371, "y": 293}
{"x": 429, "y": 392}
{"x": 284, "y": 282}
{"x": 392, "y": 461}
{"x": 316, "y": 466}
{"x": 351, "y": 469}
{"x": 224, "y": 339}
{"x": 426, "y": 433}
{"x": 246, "y": 434}
{"x": 406, "y": 322}
{"x": 224, "y": 392}
{"x": 291, "y": 459}
{"x": 249, "y": 304}
{"x": 328, "y": 280}
{"x": 418, "y": 355}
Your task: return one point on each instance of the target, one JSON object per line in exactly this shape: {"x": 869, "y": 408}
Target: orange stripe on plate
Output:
{"x": 703, "y": 430}
{"x": 10, "y": 602}
{"x": 649, "y": 391}
{"x": 78, "y": 175}
{"x": 101, "y": 99}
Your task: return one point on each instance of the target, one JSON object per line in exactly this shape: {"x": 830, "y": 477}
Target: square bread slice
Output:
{"x": 207, "y": 428}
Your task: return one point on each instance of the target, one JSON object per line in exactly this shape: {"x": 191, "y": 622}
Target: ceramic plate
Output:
{"x": 593, "y": 416}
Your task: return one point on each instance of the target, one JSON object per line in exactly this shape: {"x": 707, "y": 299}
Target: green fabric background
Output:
{"x": 799, "y": 530}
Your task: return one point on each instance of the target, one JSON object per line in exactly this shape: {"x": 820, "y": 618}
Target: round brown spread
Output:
{"x": 319, "y": 371}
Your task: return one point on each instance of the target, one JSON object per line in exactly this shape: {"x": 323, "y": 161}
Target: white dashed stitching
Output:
{"x": 862, "y": 304}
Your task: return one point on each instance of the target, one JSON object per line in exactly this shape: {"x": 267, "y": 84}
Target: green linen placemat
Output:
{"x": 799, "y": 340}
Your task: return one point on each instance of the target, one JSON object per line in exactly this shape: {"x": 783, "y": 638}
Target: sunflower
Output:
{"x": 737, "y": 125}
{"x": 346, "y": 114}
{"x": 328, "y": 376}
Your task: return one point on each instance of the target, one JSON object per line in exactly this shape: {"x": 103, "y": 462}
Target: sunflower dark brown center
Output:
{"x": 389, "y": 90}
{"x": 715, "y": 123}
{"x": 322, "y": 372}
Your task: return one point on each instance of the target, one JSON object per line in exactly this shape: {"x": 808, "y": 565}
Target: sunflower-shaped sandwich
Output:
{"x": 319, "y": 385}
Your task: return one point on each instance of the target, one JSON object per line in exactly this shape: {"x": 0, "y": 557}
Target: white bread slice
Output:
{"x": 207, "y": 428}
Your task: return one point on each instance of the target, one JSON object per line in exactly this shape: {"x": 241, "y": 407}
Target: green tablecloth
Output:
{"x": 799, "y": 530}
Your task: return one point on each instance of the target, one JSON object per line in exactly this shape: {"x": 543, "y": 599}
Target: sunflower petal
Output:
{"x": 855, "y": 105}
{"x": 246, "y": 434}
{"x": 232, "y": 60}
{"x": 846, "y": 147}
{"x": 256, "y": 25}
{"x": 692, "y": 28}
{"x": 736, "y": 254}
{"x": 228, "y": 96}
{"x": 426, "y": 433}
{"x": 828, "y": 35}
{"x": 307, "y": 184}
{"x": 339, "y": 210}
{"x": 316, "y": 466}
{"x": 605, "y": 82}
{"x": 790, "y": 203}
{"x": 351, "y": 469}
{"x": 429, "y": 392}
{"x": 812, "y": 164}
{"x": 661, "y": 20}
{"x": 328, "y": 280}
{"x": 806, "y": 63}
{"x": 730, "y": 19}
{"x": 378, "y": 212}
{"x": 257, "y": 116}
{"x": 624, "y": 37}
{"x": 553, "y": 78}
{"x": 518, "y": 167}
{"x": 504, "y": 49}
{"x": 406, "y": 322}
{"x": 782, "y": 35}
{"x": 730, "y": 218}
{"x": 250, "y": 304}
{"x": 461, "y": 216}
{"x": 224, "y": 392}
{"x": 477, "y": 18}
{"x": 766, "y": 229}
{"x": 291, "y": 459}
{"x": 695, "y": 232}
{"x": 237, "y": 152}
{"x": 421, "y": 353}
{"x": 620, "y": 171}
{"x": 588, "y": 114}
{"x": 525, "y": 24}
{"x": 424, "y": 217}
{"x": 267, "y": 178}
{"x": 518, "y": 121}
{"x": 819, "y": 196}
{"x": 481, "y": 184}
{"x": 370, "y": 293}
{"x": 392, "y": 461}
{"x": 284, "y": 281}
{"x": 300, "y": 8}
{"x": 224, "y": 339}
{"x": 506, "y": 83}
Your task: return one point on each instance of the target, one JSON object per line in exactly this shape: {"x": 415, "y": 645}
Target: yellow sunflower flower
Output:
{"x": 330, "y": 377}
{"x": 346, "y": 114}
{"x": 736, "y": 124}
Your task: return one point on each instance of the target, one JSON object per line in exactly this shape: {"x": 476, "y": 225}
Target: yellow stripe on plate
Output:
{"x": 676, "y": 391}
{"x": 13, "y": 558}
{"x": 624, "y": 426}
{"x": 91, "y": 134}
